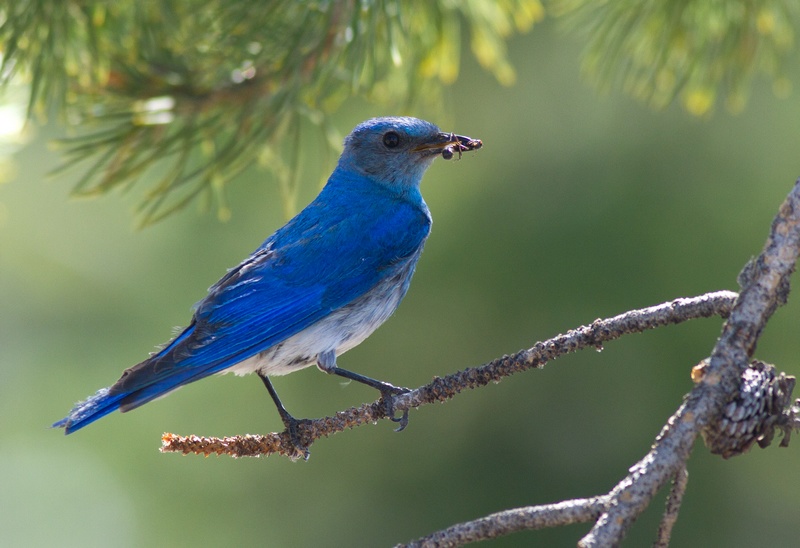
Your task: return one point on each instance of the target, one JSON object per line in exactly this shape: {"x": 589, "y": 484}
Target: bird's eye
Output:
{"x": 391, "y": 139}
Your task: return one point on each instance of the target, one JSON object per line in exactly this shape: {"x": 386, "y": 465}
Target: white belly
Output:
{"x": 342, "y": 330}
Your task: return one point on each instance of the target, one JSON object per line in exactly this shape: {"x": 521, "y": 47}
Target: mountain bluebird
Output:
{"x": 314, "y": 289}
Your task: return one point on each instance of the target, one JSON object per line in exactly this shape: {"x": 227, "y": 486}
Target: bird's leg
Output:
{"x": 289, "y": 421}
{"x": 327, "y": 363}
{"x": 387, "y": 390}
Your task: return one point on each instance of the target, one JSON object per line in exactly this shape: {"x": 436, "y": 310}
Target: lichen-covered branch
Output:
{"x": 443, "y": 388}
{"x": 500, "y": 524}
{"x": 765, "y": 286}
{"x": 719, "y": 405}
{"x": 672, "y": 507}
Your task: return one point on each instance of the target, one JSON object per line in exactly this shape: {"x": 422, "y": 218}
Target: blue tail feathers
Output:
{"x": 137, "y": 385}
{"x": 86, "y": 412}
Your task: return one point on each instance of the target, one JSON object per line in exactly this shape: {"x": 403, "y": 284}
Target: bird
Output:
{"x": 314, "y": 289}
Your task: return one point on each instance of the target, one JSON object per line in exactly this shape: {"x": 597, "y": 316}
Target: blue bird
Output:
{"x": 313, "y": 290}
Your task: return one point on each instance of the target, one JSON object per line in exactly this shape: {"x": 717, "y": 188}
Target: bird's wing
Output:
{"x": 297, "y": 278}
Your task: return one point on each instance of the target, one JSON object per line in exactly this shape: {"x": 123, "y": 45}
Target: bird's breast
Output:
{"x": 341, "y": 330}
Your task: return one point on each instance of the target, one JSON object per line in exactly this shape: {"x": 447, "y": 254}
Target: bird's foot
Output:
{"x": 388, "y": 392}
{"x": 295, "y": 436}
{"x": 293, "y": 425}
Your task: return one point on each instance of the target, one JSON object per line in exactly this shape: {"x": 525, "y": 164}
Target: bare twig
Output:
{"x": 765, "y": 284}
{"x": 672, "y": 508}
{"x": 510, "y": 521}
{"x": 443, "y": 388}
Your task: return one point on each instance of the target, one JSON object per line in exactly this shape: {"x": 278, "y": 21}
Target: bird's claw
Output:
{"x": 387, "y": 396}
{"x": 388, "y": 391}
{"x": 293, "y": 427}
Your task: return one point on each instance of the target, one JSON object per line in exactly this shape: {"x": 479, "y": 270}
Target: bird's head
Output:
{"x": 396, "y": 151}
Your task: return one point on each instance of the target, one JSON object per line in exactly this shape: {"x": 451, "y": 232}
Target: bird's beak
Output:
{"x": 449, "y": 143}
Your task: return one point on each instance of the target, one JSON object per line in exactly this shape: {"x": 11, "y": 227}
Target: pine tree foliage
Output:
{"x": 186, "y": 94}
{"x": 700, "y": 52}
{"x": 180, "y": 96}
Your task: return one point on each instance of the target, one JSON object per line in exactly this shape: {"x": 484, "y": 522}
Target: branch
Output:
{"x": 765, "y": 286}
{"x": 733, "y": 404}
{"x": 444, "y": 388}
{"x": 511, "y": 521}
{"x": 674, "y": 501}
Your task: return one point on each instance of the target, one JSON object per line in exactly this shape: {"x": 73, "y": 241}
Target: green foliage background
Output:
{"x": 577, "y": 207}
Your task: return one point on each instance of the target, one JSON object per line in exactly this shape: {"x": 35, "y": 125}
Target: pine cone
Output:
{"x": 755, "y": 413}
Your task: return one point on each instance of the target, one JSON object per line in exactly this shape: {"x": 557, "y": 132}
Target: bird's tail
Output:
{"x": 86, "y": 412}
{"x": 138, "y": 385}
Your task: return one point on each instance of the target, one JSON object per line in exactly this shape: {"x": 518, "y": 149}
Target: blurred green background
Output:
{"x": 579, "y": 206}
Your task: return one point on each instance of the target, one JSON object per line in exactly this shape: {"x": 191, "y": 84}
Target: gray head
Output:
{"x": 396, "y": 151}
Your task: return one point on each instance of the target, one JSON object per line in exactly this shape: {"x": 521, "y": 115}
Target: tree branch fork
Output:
{"x": 733, "y": 403}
